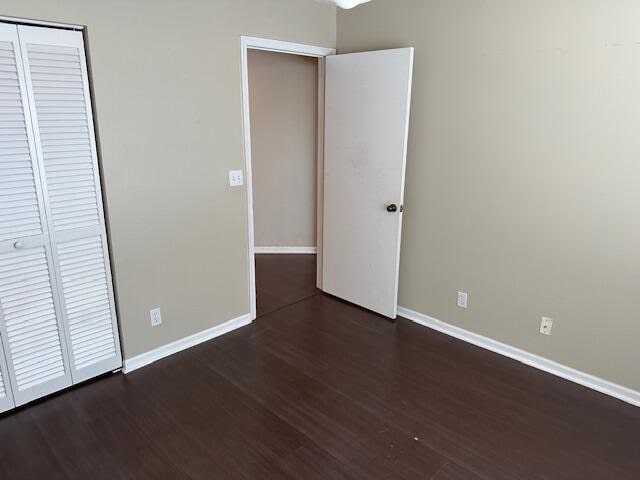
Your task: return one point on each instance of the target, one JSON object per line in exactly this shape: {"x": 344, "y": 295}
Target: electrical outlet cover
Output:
{"x": 463, "y": 299}
{"x": 545, "y": 326}
{"x": 156, "y": 317}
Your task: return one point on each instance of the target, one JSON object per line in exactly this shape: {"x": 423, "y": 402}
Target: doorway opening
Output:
{"x": 283, "y": 101}
{"x": 363, "y": 126}
{"x": 283, "y": 107}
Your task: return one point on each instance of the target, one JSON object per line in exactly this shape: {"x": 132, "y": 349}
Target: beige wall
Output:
{"x": 522, "y": 175}
{"x": 283, "y": 92}
{"x": 523, "y": 181}
{"x": 166, "y": 77}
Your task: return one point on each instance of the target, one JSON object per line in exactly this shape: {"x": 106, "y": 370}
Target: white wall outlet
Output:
{"x": 235, "y": 178}
{"x": 463, "y": 299}
{"x": 156, "y": 317}
{"x": 545, "y": 326}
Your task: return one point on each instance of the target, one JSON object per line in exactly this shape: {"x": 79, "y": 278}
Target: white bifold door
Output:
{"x": 367, "y": 98}
{"x": 57, "y": 315}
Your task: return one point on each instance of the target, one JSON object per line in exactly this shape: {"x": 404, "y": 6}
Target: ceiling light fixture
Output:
{"x": 345, "y": 3}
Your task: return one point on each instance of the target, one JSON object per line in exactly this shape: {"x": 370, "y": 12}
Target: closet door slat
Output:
{"x": 55, "y": 68}
{"x": 34, "y": 353}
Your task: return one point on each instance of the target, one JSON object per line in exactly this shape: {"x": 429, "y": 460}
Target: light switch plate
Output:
{"x": 236, "y": 178}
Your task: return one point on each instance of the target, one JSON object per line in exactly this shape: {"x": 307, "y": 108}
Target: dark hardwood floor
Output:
{"x": 282, "y": 280}
{"x": 319, "y": 389}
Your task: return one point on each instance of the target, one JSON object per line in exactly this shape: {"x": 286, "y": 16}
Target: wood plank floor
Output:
{"x": 319, "y": 389}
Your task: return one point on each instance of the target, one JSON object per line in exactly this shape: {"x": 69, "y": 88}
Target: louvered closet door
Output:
{"x": 56, "y": 74}
{"x": 6, "y": 397}
{"x": 32, "y": 335}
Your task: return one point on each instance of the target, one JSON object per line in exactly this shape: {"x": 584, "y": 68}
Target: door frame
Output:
{"x": 256, "y": 43}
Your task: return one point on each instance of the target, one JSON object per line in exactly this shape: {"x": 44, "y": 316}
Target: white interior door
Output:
{"x": 60, "y": 106}
{"x": 367, "y": 99}
{"x": 30, "y": 326}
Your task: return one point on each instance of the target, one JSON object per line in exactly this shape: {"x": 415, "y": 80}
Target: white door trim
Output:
{"x": 256, "y": 43}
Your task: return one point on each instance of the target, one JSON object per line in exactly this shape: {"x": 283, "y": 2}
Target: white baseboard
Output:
{"x": 286, "y": 250}
{"x": 147, "y": 358}
{"x": 590, "y": 381}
